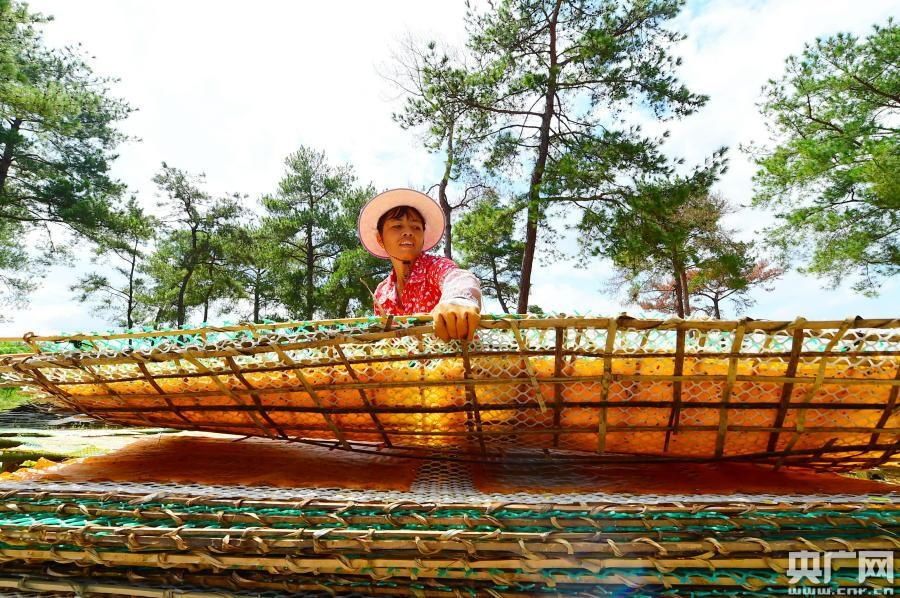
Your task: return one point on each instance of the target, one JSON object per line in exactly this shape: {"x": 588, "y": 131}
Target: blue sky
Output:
{"x": 230, "y": 88}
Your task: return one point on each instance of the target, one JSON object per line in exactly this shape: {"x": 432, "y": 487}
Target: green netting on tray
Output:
{"x": 149, "y": 338}
{"x": 79, "y": 511}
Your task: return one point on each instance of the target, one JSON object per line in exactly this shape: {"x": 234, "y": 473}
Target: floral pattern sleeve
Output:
{"x": 432, "y": 279}
{"x": 379, "y": 299}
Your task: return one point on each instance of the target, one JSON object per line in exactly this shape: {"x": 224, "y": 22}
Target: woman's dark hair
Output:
{"x": 397, "y": 213}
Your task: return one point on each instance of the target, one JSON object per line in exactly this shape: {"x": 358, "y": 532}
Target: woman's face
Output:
{"x": 402, "y": 238}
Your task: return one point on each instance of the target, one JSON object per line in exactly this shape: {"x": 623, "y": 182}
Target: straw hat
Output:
{"x": 367, "y": 227}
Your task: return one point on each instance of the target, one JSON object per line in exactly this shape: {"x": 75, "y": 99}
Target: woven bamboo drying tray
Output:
{"x": 408, "y": 548}
{"x": 150, "y": 583}
{"x": 102, "y": 581}
{"x": 820, "y": 394}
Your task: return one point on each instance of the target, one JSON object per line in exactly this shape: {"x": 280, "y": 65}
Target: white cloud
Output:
{"x": 52, "y": 309}
{"x": 230, "y": 88}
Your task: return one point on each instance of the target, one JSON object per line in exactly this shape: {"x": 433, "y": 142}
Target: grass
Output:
{"x": 6, "y": 348}
{"x": 10, "y": 398}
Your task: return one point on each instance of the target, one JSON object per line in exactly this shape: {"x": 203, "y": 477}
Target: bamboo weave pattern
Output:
{"x": 819, "y": 394}
{"x": 113, "y": 540}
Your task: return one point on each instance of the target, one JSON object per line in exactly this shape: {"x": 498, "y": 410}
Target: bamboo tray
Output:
{"x": 105, "y": 542}
{"x": 498, "y": 530}
{"x": 818, "y": 394}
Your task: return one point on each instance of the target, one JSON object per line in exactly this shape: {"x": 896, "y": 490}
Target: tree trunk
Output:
{"x": 256, "y": 298}
{"x": 528, "y": 258}
{"x": 7, "y": 158}
{"x": 442, "y": 196}
{"x": 537, "y": 175}
{"x": 180, "y": 311}
{"x": 716, "y": 312}
{"x": 686, "y": 291}
{"x": 679, "y": 304}
{"x": 310, "y": 265}
{"x": 129, "y": 322}
{"x": 497, "y": 288}
{"x": 678, "y": 288}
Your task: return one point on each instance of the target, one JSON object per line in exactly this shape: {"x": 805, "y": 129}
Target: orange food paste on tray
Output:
{"x": 187, "y": 459}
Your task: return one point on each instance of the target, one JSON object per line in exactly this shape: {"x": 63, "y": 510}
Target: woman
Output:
{"x": 401, "y": 225}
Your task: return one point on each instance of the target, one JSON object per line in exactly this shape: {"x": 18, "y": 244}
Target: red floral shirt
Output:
{"x": 431, "y": 279}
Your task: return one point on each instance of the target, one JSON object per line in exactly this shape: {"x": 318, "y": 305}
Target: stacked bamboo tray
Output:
{"x": 90, "y": 542}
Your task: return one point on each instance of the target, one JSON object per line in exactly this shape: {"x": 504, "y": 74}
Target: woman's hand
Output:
{"x": 455, "y": 321}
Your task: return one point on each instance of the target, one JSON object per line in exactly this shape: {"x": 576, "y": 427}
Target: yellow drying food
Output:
{"x": 509, "y": 401}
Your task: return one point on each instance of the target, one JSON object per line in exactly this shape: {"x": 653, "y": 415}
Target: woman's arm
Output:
{"x": 461, "y": 287}
{"x": 458, "y": 312}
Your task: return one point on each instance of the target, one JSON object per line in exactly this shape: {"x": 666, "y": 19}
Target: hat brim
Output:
{"x": 367, "y": 226}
